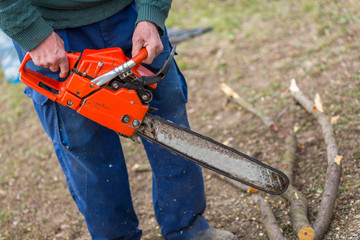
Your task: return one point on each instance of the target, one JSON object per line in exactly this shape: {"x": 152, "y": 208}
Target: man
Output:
{"x": 89, "y": 154}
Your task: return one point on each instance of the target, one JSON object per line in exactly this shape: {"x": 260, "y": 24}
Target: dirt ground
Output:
{"x": 256, "y": 47}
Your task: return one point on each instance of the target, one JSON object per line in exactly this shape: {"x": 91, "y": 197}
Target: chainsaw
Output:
{"x": 114, "y": 91}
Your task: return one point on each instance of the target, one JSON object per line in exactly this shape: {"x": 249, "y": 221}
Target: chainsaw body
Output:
{"x": 120, "y": 105}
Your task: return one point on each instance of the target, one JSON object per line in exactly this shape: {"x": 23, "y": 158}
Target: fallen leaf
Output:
{"x": 334, "y": 120}
{"x": 296, "y": 127}
{"x": 338, "y": 159}
{"x": 226, "y": 142}
{"x": 252, "y": 190}
{"x": 317, "y": 103}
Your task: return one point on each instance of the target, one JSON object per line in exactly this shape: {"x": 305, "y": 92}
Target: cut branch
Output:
{"x": 298, "y": 202}
{"x": 289, "y": 156}
{"x": 333, "y": 173}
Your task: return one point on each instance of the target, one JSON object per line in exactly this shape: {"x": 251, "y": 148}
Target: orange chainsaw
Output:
{"x": 114, "y": 91}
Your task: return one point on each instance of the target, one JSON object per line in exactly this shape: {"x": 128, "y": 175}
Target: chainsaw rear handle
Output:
{"x": 44, "y": 85}
{"x": 51, "y": 88}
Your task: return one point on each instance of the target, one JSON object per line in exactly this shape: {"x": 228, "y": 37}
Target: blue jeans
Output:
{"x": 92, "y": 158}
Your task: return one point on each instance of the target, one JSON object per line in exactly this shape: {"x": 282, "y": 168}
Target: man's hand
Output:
{"x": 147, "y": 36}
{"x": 51, "y": 54}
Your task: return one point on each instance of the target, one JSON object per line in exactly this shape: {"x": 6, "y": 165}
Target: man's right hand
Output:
{"x": 51, "y": 54}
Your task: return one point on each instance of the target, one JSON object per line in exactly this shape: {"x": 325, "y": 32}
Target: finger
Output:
{"x": 64, "y": 68}
{"x": 136, "y": 48}
{"x": 151, "y": 55}
{"x": 153, "y": 52}
{"x": 40, "y": 62}
{"x": 54, "y": 67}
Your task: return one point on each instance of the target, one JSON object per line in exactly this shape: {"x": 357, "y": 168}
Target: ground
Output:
{"x": 256, "y": 47}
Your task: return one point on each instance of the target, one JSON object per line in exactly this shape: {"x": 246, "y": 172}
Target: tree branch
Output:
{"x": 333, "y": 173}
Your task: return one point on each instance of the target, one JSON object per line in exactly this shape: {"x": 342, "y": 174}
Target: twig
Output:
{"x": 333, "y": 173}
{"x": 247, "y": 106}
{"x": 268, "y": 218}
{"x": 281, "y": 113}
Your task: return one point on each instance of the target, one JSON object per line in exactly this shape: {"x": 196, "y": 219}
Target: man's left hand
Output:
{"x": 146, "y": 35}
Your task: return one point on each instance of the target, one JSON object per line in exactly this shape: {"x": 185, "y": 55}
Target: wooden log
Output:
{"x": 298, "y": 202}
{"x": 298, "y": 213}
{"x": 333, "y": 172}
{"x": 288, "y": 159}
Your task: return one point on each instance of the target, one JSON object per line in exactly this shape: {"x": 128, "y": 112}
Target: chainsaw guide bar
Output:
{"x": 213, "y": 155}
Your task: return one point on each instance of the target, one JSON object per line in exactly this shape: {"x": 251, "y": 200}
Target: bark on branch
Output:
{"x": 268, "y": 218}
{"x": 333, "y": 173}
{"x": 298, "y": 202}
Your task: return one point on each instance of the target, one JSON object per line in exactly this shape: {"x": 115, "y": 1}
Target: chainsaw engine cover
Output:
{"x": 119, "y": 109}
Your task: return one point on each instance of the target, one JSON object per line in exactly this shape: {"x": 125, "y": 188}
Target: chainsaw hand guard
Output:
{"x": 148, "y": 80}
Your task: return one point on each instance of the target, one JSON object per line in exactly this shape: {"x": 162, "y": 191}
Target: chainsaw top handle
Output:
{"x": 140, "y": 56}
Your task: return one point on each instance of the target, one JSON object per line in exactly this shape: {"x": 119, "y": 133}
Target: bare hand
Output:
{"x": 147, "y": 36}
{"x": 51, "y": 54}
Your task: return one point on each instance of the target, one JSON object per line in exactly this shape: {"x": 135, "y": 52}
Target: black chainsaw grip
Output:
{"x": 148, "y": 80}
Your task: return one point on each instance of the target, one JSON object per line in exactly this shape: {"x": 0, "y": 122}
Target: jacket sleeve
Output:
{"x": 23, "y": 23}
{"x": 153, "y": 11}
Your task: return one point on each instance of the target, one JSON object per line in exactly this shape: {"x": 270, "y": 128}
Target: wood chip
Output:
{"x": 293, "y": 86}
{"x": 141, "y": 168}
{"x": 338, "y": 159}
{"x": 318, "y": 104}
{"x": 296, "y": 195}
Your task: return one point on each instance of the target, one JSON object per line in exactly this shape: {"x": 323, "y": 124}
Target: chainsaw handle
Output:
{"x": 140, "y": 56}
{"x": 72, "y": 58}
{"x": 46, "y": 86}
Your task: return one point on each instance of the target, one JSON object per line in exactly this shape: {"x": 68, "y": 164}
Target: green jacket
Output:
{"x": 29, "y": 22}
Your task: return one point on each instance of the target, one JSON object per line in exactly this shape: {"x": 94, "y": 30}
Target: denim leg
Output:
{"x": 178, "y": 189}
{"x": 92, "y": 160}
